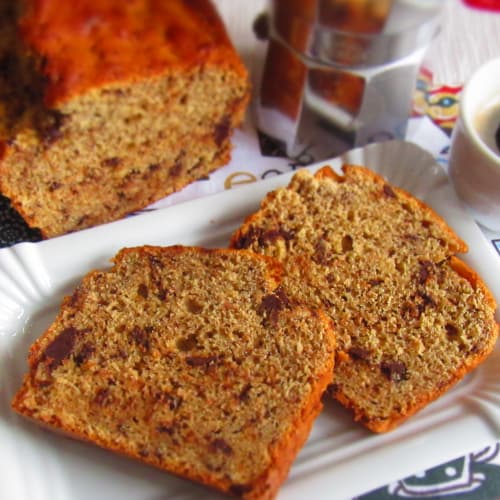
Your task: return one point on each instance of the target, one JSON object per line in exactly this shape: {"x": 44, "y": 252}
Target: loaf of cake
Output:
{"x": 107, "y": 106}
{"x": 411, "y": 318}
{"x": 191, "y": 360}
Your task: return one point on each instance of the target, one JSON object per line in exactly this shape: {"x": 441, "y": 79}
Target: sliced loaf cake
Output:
{"x": 411, "y": 318}
{"x": 109, "y": 105}
{"x": 191, "y": 360}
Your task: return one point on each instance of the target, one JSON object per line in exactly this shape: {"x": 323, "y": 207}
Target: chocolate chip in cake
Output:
{"x": 142, "y": 290}
{"x": 273, "y": 303}
{"x": 103, "y": 397}
{"x": 347, "y": 243}
{"x": 114, "y": 161}
{"x": 220, "y": 444}
{"x": 60, "y": 348}
{"x": 187, "y": 343}
{"x": 245, "y": 393}
{"x": 194, "y": 306}
{"x": 140, "y": 337}
{"x": 424, "y": 271}
{"x": 222, "y": 130}
{"x": 359, "y": 353}
{"x": 248, "y": 239}
{"x": 451, "y": 331}
{"x": 394, "y": 370}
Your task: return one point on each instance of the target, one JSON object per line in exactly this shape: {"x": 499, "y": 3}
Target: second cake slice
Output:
{"x": 411, "y": 318}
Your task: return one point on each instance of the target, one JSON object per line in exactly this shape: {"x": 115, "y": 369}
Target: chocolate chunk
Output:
{"x": 427, "y": 300}
{"x": 359, "y": 353}
{"x": 222, "y": 129}
{"x": 244, "y": 394}
{"x": 193, "y": 306}
{"x": 280, "y": 293}
{"x": 60, "y": 348}
{"x": 201, "y": 360}
{"x": 263, "y": 238}
{"x": 425, "y": 271}
{"x": 111, "y": 162}
{"x": 248, "y": 239}
{"x": 388, "y": 191}
{"x": 176, "y": 169}
{"x": 410, "y": 311}
{"x": 103, "y": 397}
{"x": 394, "y": 370}
{"x": 273, "y": 303}
{"x": 220, "y": 444}
{"x": 140, "y": 337}
{"x": 451, "y": 331}
{"x": 54, "y": 185}
{"x": 188, "y": 343}
{"x": 375, "y": 282}
{"x": 347, "y": 243}
{"x": 165, "y": 429}
{"x": 155, "y": 262}
{"x": 270, "y": 303}
{"x": 142, "y": 290}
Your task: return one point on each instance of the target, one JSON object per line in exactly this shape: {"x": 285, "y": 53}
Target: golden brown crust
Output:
{"x": 473, "y": 278}
{"x": 154, "y": 38}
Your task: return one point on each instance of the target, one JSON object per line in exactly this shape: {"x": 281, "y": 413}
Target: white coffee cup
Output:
{"x": 474, "y": 166}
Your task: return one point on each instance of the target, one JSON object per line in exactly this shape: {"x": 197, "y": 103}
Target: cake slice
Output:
{"x": 411, "y": 318}
{"x": 109, "y": 105}
{"x": 191, "y": 360}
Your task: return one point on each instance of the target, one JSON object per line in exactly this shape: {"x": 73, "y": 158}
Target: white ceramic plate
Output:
{"x": 340, "y": 460}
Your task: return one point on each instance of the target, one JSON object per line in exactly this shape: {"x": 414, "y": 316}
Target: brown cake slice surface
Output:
{"x": 411, "y": 318}
{"x": 191, "y": 360}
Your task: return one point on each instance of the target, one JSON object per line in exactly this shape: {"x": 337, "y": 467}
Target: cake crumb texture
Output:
{"x": 411, "y": 318}
{"x": 191, "y": 360}
{"x": 108, "y": 106}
